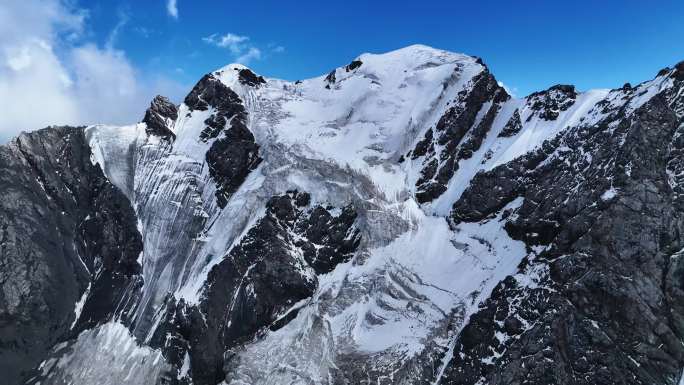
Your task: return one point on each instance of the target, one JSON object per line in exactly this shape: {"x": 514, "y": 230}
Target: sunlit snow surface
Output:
{"x": 414, "y": 281}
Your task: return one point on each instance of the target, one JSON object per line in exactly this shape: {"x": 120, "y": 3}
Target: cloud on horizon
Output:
{"x": 49, "y": 74}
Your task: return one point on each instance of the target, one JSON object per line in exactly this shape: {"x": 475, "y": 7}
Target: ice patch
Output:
{"x": 609, "y": 194}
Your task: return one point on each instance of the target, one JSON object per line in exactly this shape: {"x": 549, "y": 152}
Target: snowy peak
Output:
{"x": 413, "y": 58}
{"x": 235, "y": 73}
{"x": 398, "y": 65}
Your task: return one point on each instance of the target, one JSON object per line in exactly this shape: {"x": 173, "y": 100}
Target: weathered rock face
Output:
{"x": 68, "y": 236}
{"x": 548, "y": 104}
{"x": 159, "y": 116}
{"x": 235, "y": 153}
{"x": 513, "y": 126}
{"x": 599, "y": 304}
{"x": 247, "y": 77}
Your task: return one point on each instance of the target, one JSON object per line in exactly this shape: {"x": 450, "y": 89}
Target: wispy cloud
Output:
{"x": 114, "y": 33}
{"x": 45, "y": 59}
{"x": 172, "y": 8}
{"x": 235, "y": 43}
{"x": 241, "y": 48}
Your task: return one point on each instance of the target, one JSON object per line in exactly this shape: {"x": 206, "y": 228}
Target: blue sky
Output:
{"x": 91, "y": 61}
{"x": 529, "y": 45}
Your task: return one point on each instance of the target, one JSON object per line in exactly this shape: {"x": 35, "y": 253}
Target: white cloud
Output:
{"x": 239, "y": 46}
{"x": 48, "y": 77}
{"x": 172, "y": 8}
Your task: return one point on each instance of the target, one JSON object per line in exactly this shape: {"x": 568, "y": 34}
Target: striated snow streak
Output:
{"x": 79, "y": 305}
{"x": 107, "y": 354}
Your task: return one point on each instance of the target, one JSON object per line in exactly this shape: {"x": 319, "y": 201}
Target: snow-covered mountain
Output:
{"x": 401, "y": 220}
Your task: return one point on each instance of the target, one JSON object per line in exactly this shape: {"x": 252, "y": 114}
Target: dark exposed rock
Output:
{"x": 679, "y": 71}
{"x": 353, "y": 65}
{"x": 663, "y": 72}
{"x": 234, "y": 154}
{"x": 427, "y": 173}
{"x": 302, "y": 199}
{"x": 491, "y": 191}
{"x": 111, "y": 234}
{"x": 210, "y": 92}
{"x": 478, "y": 133}
{"x": 603, "y": 309}
{"x": 330, "y": 240}
{"x": 230, "y": 159}
{"x": 63, "y": 228}
{"x": 158, "y": 116}
{"x": 456, "y": 122}
{"x": 330, "y": 79}
{"x": 247, "y": 77}
{"x": 550, "y": 103}
{"x": 513, "y": 126}
{"x": 425, "y": 146}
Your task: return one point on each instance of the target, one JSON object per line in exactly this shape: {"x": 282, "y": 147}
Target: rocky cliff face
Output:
{"x": 401, "y": 220}
{"x": 69, "y": 246}
{"x": 597, "y": 304}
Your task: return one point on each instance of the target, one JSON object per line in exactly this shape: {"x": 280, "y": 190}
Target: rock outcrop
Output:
{"x": 68, "y": 243}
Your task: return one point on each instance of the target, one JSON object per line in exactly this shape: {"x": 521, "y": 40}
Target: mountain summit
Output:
{"x": 400, "y": 220}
